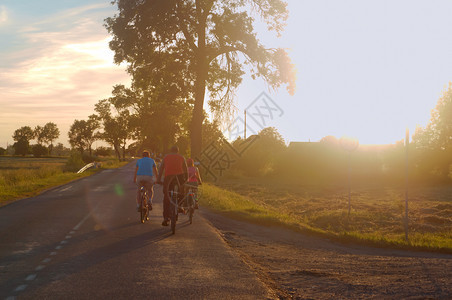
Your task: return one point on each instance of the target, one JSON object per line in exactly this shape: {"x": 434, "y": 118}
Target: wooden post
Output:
{"x": 245, "y": 125}
{"x": 407, "y": 143}
{"x": 349, "y": 181}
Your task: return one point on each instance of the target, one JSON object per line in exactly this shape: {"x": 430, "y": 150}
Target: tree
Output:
{"x": 204, "y": 43}
{"x": 46, "y": 134}
{"x": 21, "y": 147}
{"x": 39, "y": 150}
{"x": 38, "y": 134}
{"x": 263, "y": 155}
{"x": 433, "y": 144}
{"x": 22, "y": 136}
{"x": 82, "y": 134}
{"x": 154, "y": 116}
{"x": 103, "y": 151}
{"x": 61, "y": 150}
{"x": 116, "y": 124}
{"x": 51, "y": 133}
{"x": 23, "y": 133}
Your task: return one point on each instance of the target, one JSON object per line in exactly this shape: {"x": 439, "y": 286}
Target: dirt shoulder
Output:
{"x": 298, "y": 266}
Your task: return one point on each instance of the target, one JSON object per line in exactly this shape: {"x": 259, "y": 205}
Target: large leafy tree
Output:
{"x": 434, "y": 142}
{"x": 438, "y": 132}
{"x": 116, "y": 122}
{"x": 205, "y": 43}
{"x": 22, "y": 138}
{"x": 153, "y": 114}
{"x": 47, "y": 134}
{"x": 83, "y": 133}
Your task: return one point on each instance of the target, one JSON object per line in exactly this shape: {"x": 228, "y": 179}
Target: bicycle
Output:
{"x": 144, "y": 196}
{"x": 174, "y": 205}
{"x": 191, "y": 198}
{"x": 186, "y": 205}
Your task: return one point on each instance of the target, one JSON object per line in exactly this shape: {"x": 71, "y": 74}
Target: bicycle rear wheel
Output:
{"x": 144, "y": 212}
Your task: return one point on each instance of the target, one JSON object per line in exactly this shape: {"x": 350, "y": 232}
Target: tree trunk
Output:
{"x": 198, "y": 117}
{"x": 118, "y": 154}
{"x": 200, "y": 89}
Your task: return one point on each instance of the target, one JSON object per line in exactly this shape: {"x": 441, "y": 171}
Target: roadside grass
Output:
{"x": 27, "y": 177}
{"x": 376, "y": 217}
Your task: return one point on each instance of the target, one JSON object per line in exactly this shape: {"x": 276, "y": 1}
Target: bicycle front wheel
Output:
{"x": 174, "y": 206}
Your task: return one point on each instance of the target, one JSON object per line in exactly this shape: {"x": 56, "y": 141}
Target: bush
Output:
{"x": 2, "y": 151}
{"x": 88, "y": 158}
{"x": 103, "y": 151}
{"x": 39, "y": 150}
{"x": 74, "y": 163}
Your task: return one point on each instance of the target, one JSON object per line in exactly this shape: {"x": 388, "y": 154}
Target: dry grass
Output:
{"x": 25, "y": 176}
{"x": 377, "y": 212}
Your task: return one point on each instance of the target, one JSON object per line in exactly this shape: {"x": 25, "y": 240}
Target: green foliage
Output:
{"x": 103, "y": 151}
{"x": 46, "y": 134}
{"x": 39, "y": 150}
{"x": 263, "y": 157}
{"x": 182, "y": 48}
{"x": 24, "y": 133}
{"x": 61, "y": 150}
{"x": 433, "y": 144}
{"x": 21, "y": 147}
{"x": 82, "y": 134}
{"x": 116, "y": 119}
{"x": 74, "y": 163}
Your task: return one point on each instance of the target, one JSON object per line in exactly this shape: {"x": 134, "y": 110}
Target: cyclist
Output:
{"x": 194, "y": 177}
{"x": 144, "y": 172}
{"x": 175, "y": 169}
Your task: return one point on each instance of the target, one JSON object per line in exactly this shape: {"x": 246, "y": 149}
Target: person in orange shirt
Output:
{"x": 194, "y": 177}
{"x": 175, "y": 169}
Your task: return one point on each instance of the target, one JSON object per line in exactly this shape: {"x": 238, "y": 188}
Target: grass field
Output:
{"x": 377, "y": 214}
{"x": 22, "y": 177}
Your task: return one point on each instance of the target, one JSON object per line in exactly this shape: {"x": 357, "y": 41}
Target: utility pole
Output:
{"x": 407, "y": 143}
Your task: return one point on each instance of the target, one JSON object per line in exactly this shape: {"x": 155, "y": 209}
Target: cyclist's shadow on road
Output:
{"x": 105, "y": 253}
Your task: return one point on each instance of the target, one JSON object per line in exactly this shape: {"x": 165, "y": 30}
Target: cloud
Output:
{"x": 3, "y": 14}
{"x": 60, "y": 74}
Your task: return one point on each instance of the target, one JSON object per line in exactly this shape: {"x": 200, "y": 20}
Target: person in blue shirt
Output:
{"x": 144, "y": 172}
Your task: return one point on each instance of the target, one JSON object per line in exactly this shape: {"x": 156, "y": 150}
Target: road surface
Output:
{"x": 84, "y": 240}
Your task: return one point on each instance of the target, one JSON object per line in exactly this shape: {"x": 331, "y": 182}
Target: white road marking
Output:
{"x": 31, "y": 277}
{"x": 66, "y": 189}
{"x": 21, "y": 288}
{"x": 72, "y": 232}
{"x": 53, "y": 253}
{"x": 58, "y": 247}
{"x": 82, "y": 221}
{"x": 39, "y": 268}
{"x": 68, "y": 237}
{"x": 46, "y": 260}
{"x": 11, "y": 298}
{"x": 63, "y": 242}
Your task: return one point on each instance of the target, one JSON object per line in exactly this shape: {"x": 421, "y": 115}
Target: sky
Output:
{"x": 365, "y": 69}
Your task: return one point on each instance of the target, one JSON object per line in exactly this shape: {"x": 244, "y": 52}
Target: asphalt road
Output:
{"x": 84, "y": 241}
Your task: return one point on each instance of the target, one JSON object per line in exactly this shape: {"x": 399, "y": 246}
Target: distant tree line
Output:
{"x": 429, "y": 153}
{"x": 44, "y": 136}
